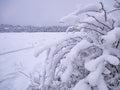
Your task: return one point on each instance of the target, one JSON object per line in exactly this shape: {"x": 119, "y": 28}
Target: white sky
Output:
{"x": 37, "y": 12}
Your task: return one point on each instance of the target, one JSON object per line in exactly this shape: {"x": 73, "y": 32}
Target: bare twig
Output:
{"x": 92, "y": 29}
{"x": 99, "y": 21}
{"x": 113, "y": 23}
{"x": 93, "y": 11}
{"x": 118, "y": 43}
{"x": 24, "y": 74}
{"x": 93, "y": 25}
{"x": 90, "y": 11}
{"x": 103, "y": 9}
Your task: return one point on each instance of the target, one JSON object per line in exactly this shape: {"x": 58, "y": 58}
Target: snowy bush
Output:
{"x": 89, "y": 58}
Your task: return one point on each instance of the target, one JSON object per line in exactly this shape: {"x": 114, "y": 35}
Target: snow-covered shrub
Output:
{"x": 89, "y": 58}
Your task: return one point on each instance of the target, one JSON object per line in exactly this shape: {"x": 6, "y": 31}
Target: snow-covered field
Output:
{"x": 17, "y": 54}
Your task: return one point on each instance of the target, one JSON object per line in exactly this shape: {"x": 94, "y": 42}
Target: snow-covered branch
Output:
{"x": 88, "y": 59}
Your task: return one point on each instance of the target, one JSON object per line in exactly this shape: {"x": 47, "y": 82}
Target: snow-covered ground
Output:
{"x": 17, "y": 54}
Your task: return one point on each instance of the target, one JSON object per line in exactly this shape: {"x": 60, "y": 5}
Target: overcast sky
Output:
{"x": 37, "y": 12}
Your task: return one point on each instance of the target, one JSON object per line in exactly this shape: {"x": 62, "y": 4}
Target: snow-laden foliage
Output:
{"x": 89, "y": 58}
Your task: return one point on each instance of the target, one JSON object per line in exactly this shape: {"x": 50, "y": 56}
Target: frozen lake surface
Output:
{"x": 17, "y": 54}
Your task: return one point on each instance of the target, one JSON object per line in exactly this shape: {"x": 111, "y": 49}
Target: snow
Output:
{"x": 94, "y": 77}
{"x": 18, "y": 64}
{"x": 80, "y": 46}
{"x": 72, "y": 56}
{"x": 74, "y": 17}
{"x": 112, "y": 36}
{"x": 93, "y": 64}
{"x": 108, "y": 31}
{"x": 96, "y": 68}
{"x": 82, "y": 85}
{"x": 102, "y": 84}
{"x": 23, "y": 60}
{"x": 112, "y": 59}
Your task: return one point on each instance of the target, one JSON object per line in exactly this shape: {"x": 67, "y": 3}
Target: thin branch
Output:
{"x": 93, "y": 11}
{"x": 24, "y": 74}
{"x": 92, "y": 29}
{"x": 99, "y": 21}
{"x": 90, "y": 11}
{"x": 118, "y": 43}
{"x": 103, "y": 9}
{"x": 113, "y": 23}
{"x": 93, "y": 25}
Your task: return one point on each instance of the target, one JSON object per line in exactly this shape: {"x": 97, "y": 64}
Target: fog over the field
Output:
{"x": 38, "y": 12}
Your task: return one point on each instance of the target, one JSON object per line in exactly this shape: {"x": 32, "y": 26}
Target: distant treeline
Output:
{"x": 18, "y": 28}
